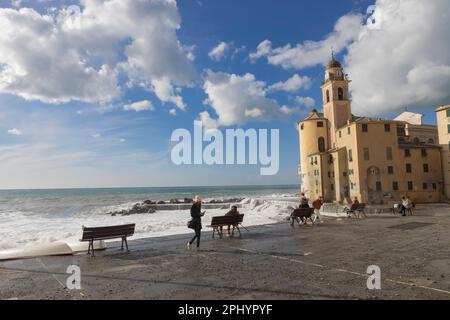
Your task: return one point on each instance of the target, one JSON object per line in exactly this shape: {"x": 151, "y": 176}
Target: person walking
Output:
{"x": 196, "y": 222}
{"x": 317, "y": 205}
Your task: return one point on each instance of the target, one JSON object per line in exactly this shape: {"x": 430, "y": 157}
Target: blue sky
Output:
{"x": 61, "y": 126}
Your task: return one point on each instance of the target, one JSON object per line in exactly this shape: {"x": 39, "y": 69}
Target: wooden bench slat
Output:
{"x": 226, "y": 220}
{"x": 118, "y": 233}
{"x": 125, "y": 226}
{"x": 90, "y": 236}
{"x": 302, "y": 212}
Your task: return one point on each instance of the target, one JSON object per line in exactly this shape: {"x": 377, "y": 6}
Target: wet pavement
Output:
{"x": 324, "y": 261}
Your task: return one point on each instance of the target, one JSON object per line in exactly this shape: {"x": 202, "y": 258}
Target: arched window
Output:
{"x": 431, "y": 141}
{"x": 373, "y": 171}
{"x": 340, "y": 94}
{"x": 321, "y": 143}
{"x": 416, "y": 140}
{"x": 328, "y": 96}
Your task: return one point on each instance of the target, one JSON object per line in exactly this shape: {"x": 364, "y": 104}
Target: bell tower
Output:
{"x": 336, "y": 98}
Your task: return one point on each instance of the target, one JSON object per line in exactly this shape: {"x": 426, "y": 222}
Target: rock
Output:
{"x": 151, "y": 210}
{"x": 174, "y": 201}
{"x": 245, "y": 201}
{"x": 149, "y": 202}
{"x": 161, "y": 202}
{"x": 188, "y": 200}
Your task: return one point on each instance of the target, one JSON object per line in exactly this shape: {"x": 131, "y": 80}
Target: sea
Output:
{"x": 30, "y": 217}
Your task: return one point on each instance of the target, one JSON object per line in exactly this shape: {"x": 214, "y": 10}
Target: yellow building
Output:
{"x": 344, "y": 156}
{"x": 443, "y": 122}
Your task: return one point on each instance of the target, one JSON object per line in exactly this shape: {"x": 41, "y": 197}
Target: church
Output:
{"x": 343, "y": 156}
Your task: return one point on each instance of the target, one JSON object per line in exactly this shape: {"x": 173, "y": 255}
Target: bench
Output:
{"x": 397, "y": 210}
{"x": 302, "y": 214}
{"x": 106, "y": 233}
{"x": 357, "y": 210}
{"x": 222, "y": 221}
{"x": 394, "y": 206}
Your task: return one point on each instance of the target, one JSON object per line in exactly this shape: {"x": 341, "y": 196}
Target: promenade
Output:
{"x": 324, "y": 261}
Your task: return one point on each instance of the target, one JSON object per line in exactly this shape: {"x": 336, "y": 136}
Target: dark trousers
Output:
{"x": 404, "y": 209}
{"x": 197, "y": 236}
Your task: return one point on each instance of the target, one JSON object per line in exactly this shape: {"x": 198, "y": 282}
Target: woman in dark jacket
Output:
{"x": 196, "y": 221}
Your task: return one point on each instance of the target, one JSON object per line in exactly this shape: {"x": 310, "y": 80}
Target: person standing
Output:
{"x": 196, "y": 221}
{"x": 317, "y": 205}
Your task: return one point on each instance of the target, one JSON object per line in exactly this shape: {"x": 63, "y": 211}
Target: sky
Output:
{"x": 91, "y": 90}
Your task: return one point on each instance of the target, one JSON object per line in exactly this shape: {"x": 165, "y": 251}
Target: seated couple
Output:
{"x": 406, "y": 205}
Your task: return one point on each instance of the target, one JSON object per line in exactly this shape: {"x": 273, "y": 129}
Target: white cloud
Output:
{"x": 403, "y": 59}
{"x": 263, "y": 49}
{"x": 44, "y": 57}
{"x": 139, "y": 106}
{"x": 293, "y": 84}
{"x": 238, "y": 99}
{"x": 123, "y": 140}
{"x": 15, "y": 132}
{"x": 96, "y": 135}
{"x": 218, "y": 53}
{"x": 173, "y": 112}
{"x": 165, "y": 92}
{"x": 307, "y": 102}
{"x": 311, "y": 53}
{"x": 225, "y": 50}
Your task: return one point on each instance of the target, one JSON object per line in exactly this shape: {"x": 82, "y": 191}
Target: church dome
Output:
{"x": 334, "y": 64}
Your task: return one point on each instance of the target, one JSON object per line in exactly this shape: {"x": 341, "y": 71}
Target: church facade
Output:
{"x": 343, "y": 156}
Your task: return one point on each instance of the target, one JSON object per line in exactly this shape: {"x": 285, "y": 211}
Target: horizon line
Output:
{"x": 148, "y": 187}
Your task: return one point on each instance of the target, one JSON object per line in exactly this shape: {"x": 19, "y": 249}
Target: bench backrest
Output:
{"x": 111, "y": 232}
{"x": 302, "y": 212}
{"x": 391, "y": 204}
{"x": 223, "y": 220}
{"x": 361, "y": 206}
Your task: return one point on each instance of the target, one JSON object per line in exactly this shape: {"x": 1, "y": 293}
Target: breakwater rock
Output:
{"x": 149, "y": 206}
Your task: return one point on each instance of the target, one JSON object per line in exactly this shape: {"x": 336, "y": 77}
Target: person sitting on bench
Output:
{"x": 304, "y": 204}
{"x": 355, "y": 202}
{"x": 232, "y": 213}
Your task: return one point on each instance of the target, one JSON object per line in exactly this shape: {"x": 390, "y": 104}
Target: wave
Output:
{"x": 23, "y": 230}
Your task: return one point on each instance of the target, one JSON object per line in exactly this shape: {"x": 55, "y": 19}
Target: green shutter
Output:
{"x": 448, "y": 113}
